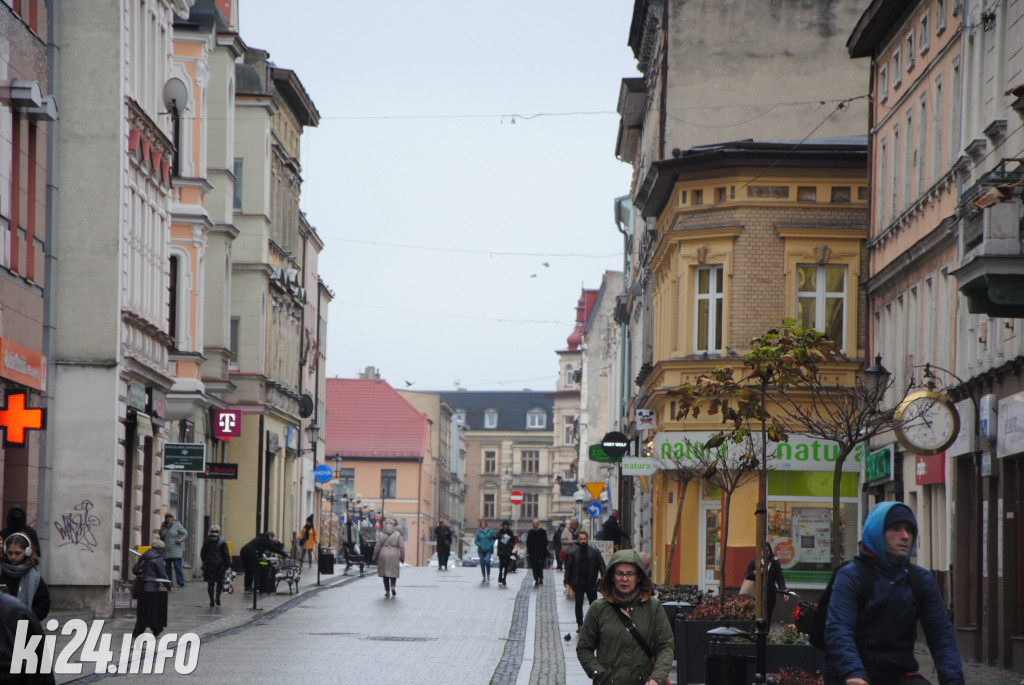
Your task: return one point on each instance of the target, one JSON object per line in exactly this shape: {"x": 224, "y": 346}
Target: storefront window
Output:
{"x": 799, "y": 535}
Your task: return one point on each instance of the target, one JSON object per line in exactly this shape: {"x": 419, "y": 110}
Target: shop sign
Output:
{"x": 597, "y": 453}
{"x": 964, "y": 443}
{"x": 1010, "y": 434}
{"x": 22, "y": 365}
{"x": 930, "y": 470}
{"x": 137, "y": 396}
{"x": 291, "y": 438}
{"x": 222, "y": 471}
{"x": 227, "y": 424}
{"x": 638, "y": 466}
{"x": 185, "y": 456}
{"x": 878, "y": 465}
{"x": 799, "y": 453}
{"x": 644, "y": 418}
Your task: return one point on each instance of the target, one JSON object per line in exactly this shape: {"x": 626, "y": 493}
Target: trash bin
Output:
{"x": 326, "y": 563}
{"x": 265, "y": 579}
{"x": 725, "y": 669}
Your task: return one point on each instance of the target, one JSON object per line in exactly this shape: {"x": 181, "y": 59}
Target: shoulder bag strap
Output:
{"x": 634, "y": 632}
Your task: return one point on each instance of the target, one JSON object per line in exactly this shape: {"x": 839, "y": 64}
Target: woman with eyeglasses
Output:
{"x": 642, "y": 653}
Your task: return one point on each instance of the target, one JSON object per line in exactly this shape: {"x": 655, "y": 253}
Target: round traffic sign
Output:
{"x": 323, "y": 473}
{"x": 516, "y": 497}
{"x": 595, "y": 510}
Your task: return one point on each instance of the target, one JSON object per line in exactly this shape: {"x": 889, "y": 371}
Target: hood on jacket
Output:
{"x": 626, "y": 556}
{"x": 874, "y": 527}
{"x": 16, "y": 517}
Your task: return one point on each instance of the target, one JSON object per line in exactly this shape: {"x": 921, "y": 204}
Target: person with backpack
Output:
{"x": 874, "y": 604}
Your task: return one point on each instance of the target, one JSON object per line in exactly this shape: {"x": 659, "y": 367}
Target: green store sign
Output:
{"x": 878, "y": 465}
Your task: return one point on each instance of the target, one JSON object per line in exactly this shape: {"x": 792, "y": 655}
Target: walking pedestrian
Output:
{"x": 568, "y": 538}
{"x": 875, "y": 606}
{"x": 556, "y": 545}
{"x": 484, "y": 541}
{"x": 173, "y": 534}
{"x": 19, "y": 628}
{"x": 772, "y": 577}
{"x": 21, "y": 577}
{"x": 643, "y": 652}
{"x": 506, "y": 545}
{"x": 216, "y": 561}
{"x": 611, "y": 530}
{"x": 537, "y": 551}
{"x": 388, "y": 554}
{"x": 582, "y": 568}
{"x": 151, "y": 610}
{"x": 17, "y": 522}
{"x": 443, "y": 537}
{"x": 251, "y": 553}
{"x": 307, "y": 542}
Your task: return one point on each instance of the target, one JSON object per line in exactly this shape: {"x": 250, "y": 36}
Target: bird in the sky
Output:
{"x": 533, "y": 275}
{"x": 408, "y": 383}
{"x": 545, "y": 264}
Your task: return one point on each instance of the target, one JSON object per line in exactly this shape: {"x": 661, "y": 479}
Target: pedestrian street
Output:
{"x": 443, "y": 626}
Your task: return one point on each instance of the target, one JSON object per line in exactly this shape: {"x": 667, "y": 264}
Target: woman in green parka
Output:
{"x": 609, "y": 653}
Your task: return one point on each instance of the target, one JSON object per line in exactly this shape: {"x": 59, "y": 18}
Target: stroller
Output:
{"x": 353, "y": 558}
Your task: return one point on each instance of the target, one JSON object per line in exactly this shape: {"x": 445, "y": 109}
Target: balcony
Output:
{"x": 991, "y": 270}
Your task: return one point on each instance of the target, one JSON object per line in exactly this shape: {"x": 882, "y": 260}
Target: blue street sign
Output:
{"x": 323, "y": 473}
{"x": 595, "y": 510}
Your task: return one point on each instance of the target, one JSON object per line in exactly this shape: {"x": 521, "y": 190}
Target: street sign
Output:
{"x": 516, "y": 497}
{"x": 222, "y": 471}
{"x": 595, "y": 510}
{"x": 323, "y": 473}
{"x": 595, "y": 489}
{"x": 185, "y": 456}
{"x": 615, "y": 444}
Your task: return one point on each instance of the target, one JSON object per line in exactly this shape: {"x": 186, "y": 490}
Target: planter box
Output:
{"x": 806, "y": 657}
{"x": 692, "y": 646}
{"x": 673, "y": 610}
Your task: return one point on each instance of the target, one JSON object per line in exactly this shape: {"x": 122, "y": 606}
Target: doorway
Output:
{"x": 711, "y": 552}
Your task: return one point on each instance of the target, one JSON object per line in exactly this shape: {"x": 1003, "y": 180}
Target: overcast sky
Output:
{"x": 462, "y": 176}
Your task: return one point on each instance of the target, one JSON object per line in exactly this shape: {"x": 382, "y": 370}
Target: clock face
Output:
{"x": 928, "y": 423}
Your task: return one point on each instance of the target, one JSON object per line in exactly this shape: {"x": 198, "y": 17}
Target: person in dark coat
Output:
{"x": 506, "y": 545}
{"x": 253, "y": 550}
{"x": 20, "y": 575}
{"x": 17, "y": 522}
{"x": 556, "y": 545}
{"x": 874, "y": 643}
{"x": 216, "y": 561}
{"x": 150, "y": 573}
{"x": 611, "y": 530}
{"x": 537, "y": 551}
{"x": 772, "y": 577}
{"x": 13, "y": 612}
{"x": 443, "y": 537}
{"x": 582, "y": 567}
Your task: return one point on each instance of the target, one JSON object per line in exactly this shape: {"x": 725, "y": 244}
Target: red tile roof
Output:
{"x": 367, "y": 417}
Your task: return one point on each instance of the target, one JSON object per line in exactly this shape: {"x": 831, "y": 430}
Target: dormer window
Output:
{"x": 460, "y": 417}
{"x": 536, "y": 419}
{"x": 570, "y": 378}
{"x": 491, "y": 418}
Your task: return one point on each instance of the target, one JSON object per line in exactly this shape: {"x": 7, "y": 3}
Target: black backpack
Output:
{"x": 811, "y": 619}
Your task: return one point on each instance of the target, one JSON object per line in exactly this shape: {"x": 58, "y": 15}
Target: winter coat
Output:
{"x": 173, "y": 535}
{"x": 506, "y": 542}
{"x": 611, "y": 530}
{"x": 443, "y": 537}
{"x": 595, "y": 566}
{"x": 12, "y": 612}
{"x": 619, "y": 658}
{"x": 568, "y": 541}
{"x": 389, "y": 552}
{"x": 537, "y": 544}
{"x": 17, "y": 522}
{"x": 876, "y": 642}
{"x": 40, "y": 601}
{"x": 484, "y": 540}
{"x": 148, "y": 569}
{"x": 309, "y": 531}
{"x": 215, "y": 557}
{"x": 556, "y": 539}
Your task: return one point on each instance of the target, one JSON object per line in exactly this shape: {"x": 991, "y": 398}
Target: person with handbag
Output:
{"x": 307, "y": 542}
{"x": 643, "y": 652}
{"x": 216, "y": 560}
{"x": 150, "y": 572}
{"x": 772, "y": 578}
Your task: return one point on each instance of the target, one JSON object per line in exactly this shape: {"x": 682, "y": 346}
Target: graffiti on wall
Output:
{"x": 75, "y": 527}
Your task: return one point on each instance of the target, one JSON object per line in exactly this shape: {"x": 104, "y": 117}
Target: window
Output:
{"x": 568, "y": 430}
{"x": 821, "y": 299}
{"x": 897, "y": 73}
{"x": 806, "y": 194}
{"x": 238, "y": 185}
{"x": 840, "y": 194}
{"x": 721, "y": 194}
{"x": 490, "y": 418}
{"x": 569, "y": 376}
{"x": 490, "y": 461}
{"x": 388, "y": 483}
{"x": 172, "y": 301}
{"x": 460, "y": 417}
{"x": 937, "y": 132}
{"x": 894, "y": 177}
{"x": 910, "y": 51}
{"x": 708, "y": 310}
{"x": 922, "y": 142}
{"x": 536, "y": 418}
{"x": 940, "y": 16}
{"x": 924, "y": 38}
{"x": 883, "y": 185}
{"x": 531, "y": 461}
{"x": 233, "y": 359}
{"x": 883, "y": 84}
{"x": 346, "y": 482}
{"x": 698, "y": 197}
{"x": 531, "y": 506}
{"x": 488, "y": 507}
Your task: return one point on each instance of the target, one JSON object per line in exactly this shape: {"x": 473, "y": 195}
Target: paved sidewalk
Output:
{"x": 189, "y": 611}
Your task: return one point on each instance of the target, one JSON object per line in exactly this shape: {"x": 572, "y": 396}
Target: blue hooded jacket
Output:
{"x": 876, "y": 641}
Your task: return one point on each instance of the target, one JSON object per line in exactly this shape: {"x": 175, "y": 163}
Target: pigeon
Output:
{"x": 408, "y": 383}
{"x": 568, "y": 638}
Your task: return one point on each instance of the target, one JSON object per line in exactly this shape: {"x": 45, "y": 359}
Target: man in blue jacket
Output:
{"x": 874, "y": 643}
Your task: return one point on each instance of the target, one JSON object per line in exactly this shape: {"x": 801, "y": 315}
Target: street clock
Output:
{"x": 927, "y": 422}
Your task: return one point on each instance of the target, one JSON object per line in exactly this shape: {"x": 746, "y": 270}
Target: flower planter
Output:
{"x": 693, "y": 643}
{"x": 805, "y": 657}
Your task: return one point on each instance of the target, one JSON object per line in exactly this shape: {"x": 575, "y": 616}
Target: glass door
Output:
{"x": 711, "y": 557}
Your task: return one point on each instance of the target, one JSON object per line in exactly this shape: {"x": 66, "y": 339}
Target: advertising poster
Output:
{"x": 811, "y": 535}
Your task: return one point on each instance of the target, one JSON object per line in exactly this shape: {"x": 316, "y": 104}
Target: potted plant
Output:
{"x": 692, "y": 641}
{"x": 787, "y": 649}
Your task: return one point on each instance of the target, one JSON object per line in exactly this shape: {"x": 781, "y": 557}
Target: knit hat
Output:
{"x": 158, "y": 544}
{"x": 900, "y": 513}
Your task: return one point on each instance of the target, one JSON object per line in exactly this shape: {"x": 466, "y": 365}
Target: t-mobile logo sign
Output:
{"x": 227, "y": 423}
